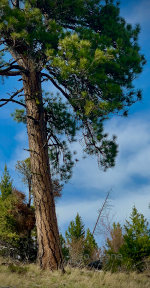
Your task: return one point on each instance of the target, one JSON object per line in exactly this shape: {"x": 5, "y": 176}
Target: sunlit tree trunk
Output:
{"x": 49, "y": 251}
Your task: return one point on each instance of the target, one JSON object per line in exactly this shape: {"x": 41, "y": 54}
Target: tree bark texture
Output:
{"x": 49, "y": 251}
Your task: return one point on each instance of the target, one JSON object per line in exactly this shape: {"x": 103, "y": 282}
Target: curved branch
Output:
{"x": 60, "y": 89}
{"x": 11, "y": 99}
{"x": 90, "y": 134}
{"x": 56, "y": 85}
{"x": 8, "y": 72}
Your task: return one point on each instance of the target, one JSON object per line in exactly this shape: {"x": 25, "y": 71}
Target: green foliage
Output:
{"x": 16, "y": 225}
{"x": 5, "y": 184}
{"x": 64, "y": 248}
{"x": 17, "y": 269}
{"x": 113, "y": 257}
{"x": 7, "y": 204}
{"x": 75, "y": 229}
{"x": 90, "y": 54}
{"x": 136, "y": 245}
{"x": 24, "y": 168}
{"x": 19, "y": 116}
{"x": 60, "y": 122}
{"x": 82, "y": 246}
{"x": 17, "y": 221}
{"x": 90, "y": 246}
{"x": 129, "y": 250}
{"x": 7, "y": 220}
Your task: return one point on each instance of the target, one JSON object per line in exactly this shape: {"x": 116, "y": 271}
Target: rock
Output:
{"x": 95, "y": 265}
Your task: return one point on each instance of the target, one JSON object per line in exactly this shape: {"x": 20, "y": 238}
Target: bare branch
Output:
{"x": 8, "y": 72}
{"x": 11, "y": 99}
{"x": 101, "y": 210}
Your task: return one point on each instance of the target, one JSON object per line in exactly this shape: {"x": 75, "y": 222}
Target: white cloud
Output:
{"x": 88, "y": 210}
{"x": 133, "y": 159}
{"x": 133, "y": 163}
{"x": 20, "y": 152}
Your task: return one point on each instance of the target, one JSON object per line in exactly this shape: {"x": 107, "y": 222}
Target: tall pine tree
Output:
{"x": 91, "y": 55}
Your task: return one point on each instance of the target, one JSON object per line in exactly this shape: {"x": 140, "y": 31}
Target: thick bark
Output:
{"x": 30, "y": 193}
{"x": 49, "y": 251}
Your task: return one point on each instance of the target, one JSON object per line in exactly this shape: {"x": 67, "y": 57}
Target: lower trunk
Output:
{"x": 49, "y": 251}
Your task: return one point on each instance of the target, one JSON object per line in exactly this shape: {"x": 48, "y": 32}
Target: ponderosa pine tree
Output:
{"x": 91, "y": 55}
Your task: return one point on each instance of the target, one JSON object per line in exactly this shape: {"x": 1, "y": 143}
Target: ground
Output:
{"x": 30, "y": 276}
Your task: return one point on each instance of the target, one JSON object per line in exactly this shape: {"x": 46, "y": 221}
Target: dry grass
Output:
{"x": 30, "y": 276}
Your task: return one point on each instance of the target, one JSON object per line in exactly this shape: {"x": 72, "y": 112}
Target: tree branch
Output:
{"x": 75, "y": 107}
{"x": 56, "y": 85}
{"x": 91, "y": 136}
{"x": 101, "y": 210}
{"x": 15, "y": 3}
{"x": 11, "y": 99}
{"x": 8, "y": 72}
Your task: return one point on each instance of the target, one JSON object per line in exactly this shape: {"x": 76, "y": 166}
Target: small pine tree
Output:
{"x": 75, "y": 230}
{"x": 90, "y": 247}
{"x": 5, "y": 184}
{"x": 75, "y": 240}
{"x": 136, "y": 245}
{"x": 116, "y": 240}
{"x": 82, "y": 246}
{"x": 112, "y": 256}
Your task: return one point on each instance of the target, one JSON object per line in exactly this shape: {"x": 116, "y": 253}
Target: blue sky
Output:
{"x": 129, "y": 179}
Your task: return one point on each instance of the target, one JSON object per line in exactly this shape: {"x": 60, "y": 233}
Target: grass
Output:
{"x": 30, "y": 276}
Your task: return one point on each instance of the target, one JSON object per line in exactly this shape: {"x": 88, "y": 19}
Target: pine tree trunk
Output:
{"x": 49, "y": 251}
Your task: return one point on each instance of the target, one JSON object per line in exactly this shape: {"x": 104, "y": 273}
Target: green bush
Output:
{"x": 136, "y": 245}
{"x": 17, "y": 269}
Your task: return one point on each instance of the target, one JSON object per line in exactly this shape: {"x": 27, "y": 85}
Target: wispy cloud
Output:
{"x": 130, "y": 178}
{"x": 120, "y": 209}
{"x": 133, "y": 158}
